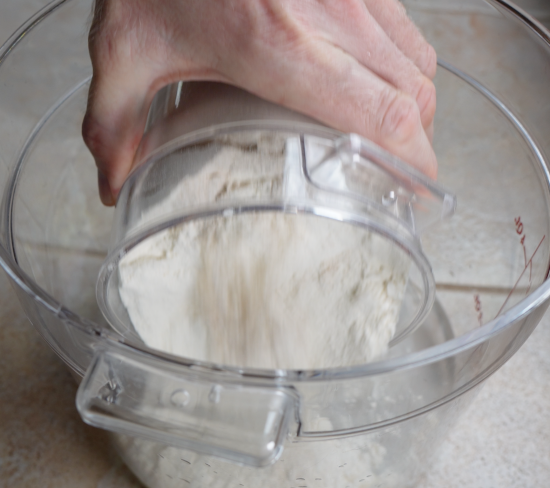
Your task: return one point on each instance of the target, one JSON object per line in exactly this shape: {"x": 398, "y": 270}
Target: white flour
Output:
{"x": 266, "y": 290}
{"x": 354, "y": 462}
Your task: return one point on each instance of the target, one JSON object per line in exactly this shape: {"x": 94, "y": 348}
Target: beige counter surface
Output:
{"x": 501, "y": 441}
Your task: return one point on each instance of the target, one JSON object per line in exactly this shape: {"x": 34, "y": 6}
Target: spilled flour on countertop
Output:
{"x": 261, "y": 289}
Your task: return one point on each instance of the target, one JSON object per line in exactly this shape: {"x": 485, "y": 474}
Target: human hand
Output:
{"x": 357, "y": 65}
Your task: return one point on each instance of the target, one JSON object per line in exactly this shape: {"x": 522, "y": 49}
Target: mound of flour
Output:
{"x": 264, "y": 289}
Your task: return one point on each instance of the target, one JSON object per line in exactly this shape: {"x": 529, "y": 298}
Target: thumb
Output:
{"x": 118, "y": 104}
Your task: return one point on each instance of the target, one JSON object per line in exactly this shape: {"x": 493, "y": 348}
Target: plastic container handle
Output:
{"x": 359, "y": 169}
{"x": 132, "y": 393}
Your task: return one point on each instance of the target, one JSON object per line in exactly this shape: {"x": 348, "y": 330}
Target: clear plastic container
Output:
{"x": 187, "y": 422}
{"x": 319, "y": 179}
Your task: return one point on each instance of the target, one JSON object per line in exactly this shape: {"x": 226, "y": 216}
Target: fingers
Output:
{"x": 356, "y": 65}
{"x": 360, "y": 34}
{"x": 324, "y": 82}
{"x": 392, "y": 17}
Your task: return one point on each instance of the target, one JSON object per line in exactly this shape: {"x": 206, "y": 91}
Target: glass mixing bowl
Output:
{"x": 181, "y": 422}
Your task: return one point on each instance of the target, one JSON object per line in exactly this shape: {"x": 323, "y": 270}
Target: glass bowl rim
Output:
{"x": 427, "y": 356}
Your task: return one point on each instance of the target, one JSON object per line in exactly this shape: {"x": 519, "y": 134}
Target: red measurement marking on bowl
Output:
{"x": 479, "y": 309}
{"x": 520, "y": 231}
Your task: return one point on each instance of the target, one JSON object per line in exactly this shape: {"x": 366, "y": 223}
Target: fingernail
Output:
{"x": 105, "y": 190}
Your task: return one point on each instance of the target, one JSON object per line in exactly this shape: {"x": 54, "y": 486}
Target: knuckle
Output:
{"x": 401, "y": 9}
{"x": 427, "y": 61}
{"x": 426, "y": 99}
{"x": 89, "y": 131}
{"x": 351, "y": 8}
{"x": 93, "y": 135}
{"x": 400, "y": 118}
{"x": 279, "y": 27}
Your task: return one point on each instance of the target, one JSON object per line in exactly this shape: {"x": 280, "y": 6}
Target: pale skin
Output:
{"x": 356, "y": 65}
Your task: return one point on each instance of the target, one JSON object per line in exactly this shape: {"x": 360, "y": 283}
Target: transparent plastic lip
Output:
{"x": 428, "y": 202}
{"x": 400, "y": 203}
{"x": 441, "y": 351}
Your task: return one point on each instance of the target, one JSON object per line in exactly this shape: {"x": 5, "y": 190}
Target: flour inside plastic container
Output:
{"x": 261, "y": 289}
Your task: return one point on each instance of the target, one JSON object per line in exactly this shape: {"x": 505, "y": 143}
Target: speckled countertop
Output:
{"x": 501, "y": 441}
